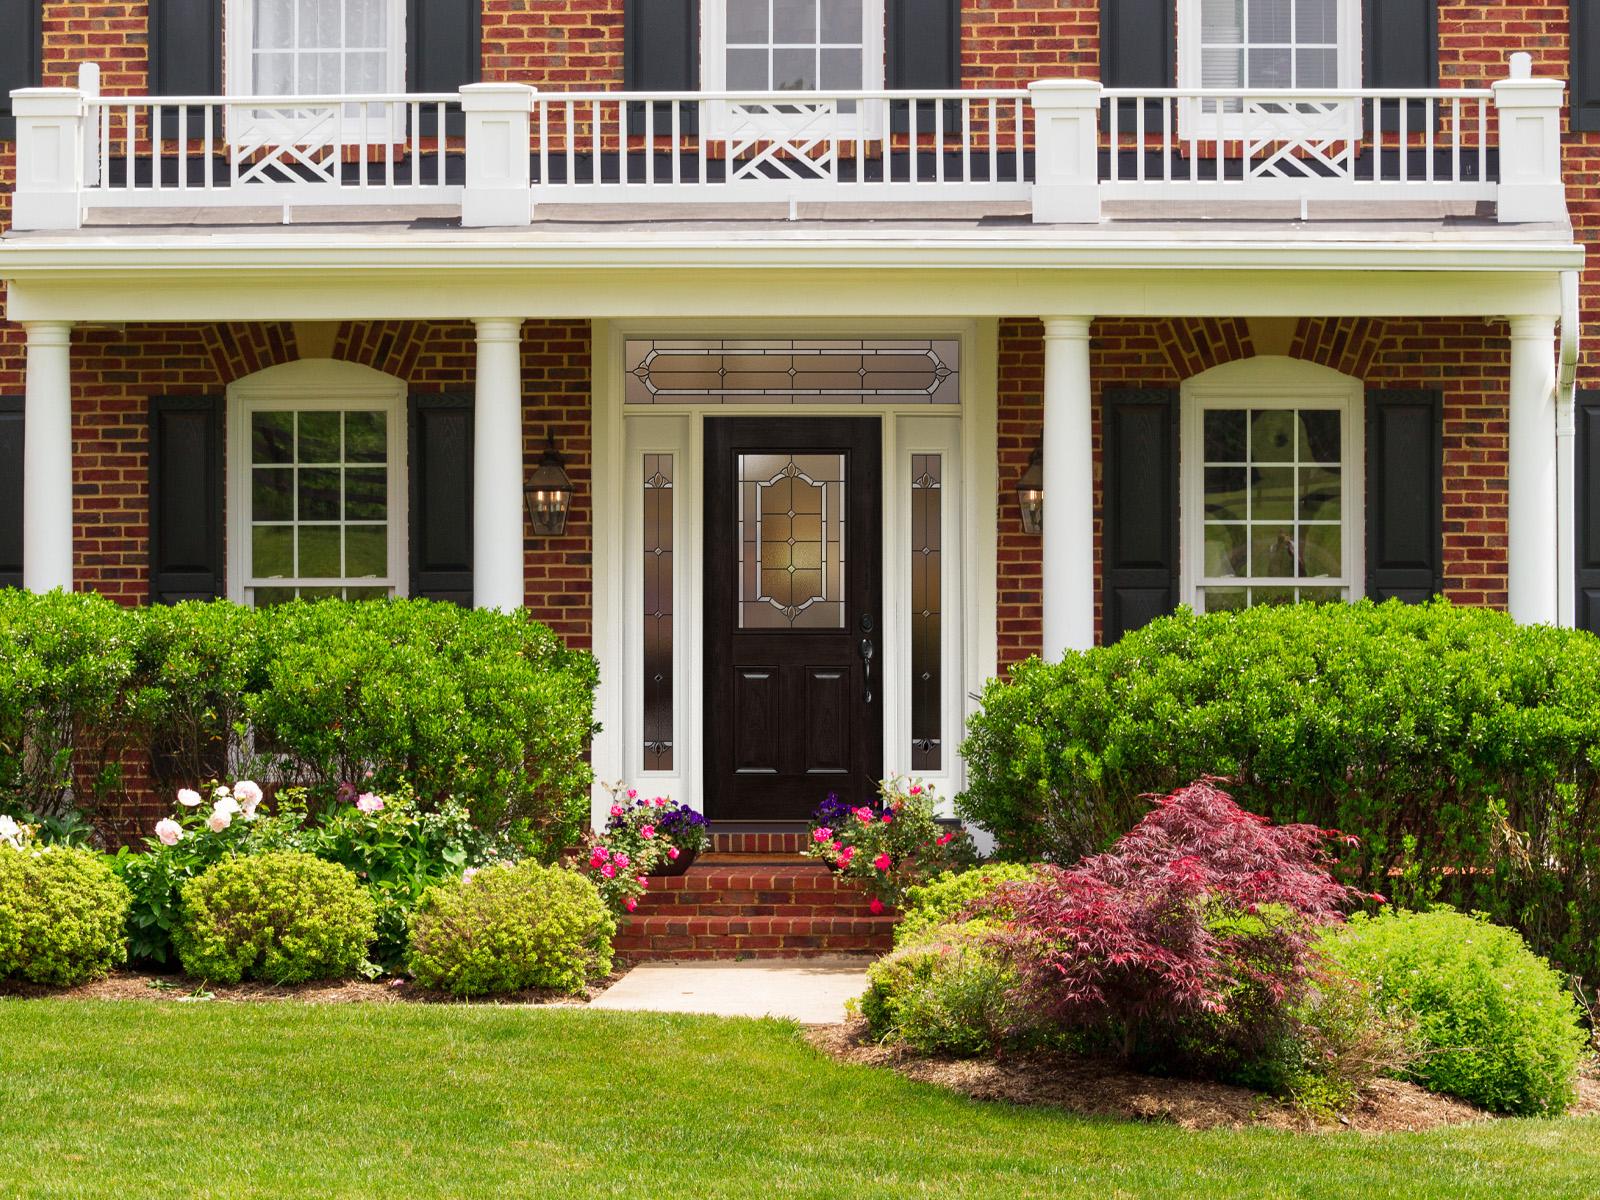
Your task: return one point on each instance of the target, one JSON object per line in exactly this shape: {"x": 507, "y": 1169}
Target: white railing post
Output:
{"x": 1066, "y": 137}
{"x": 49, "y": 158}
{"x": 89, "y": 86}
{"x": 499, "y": 163}
{"x": 1530, "y": 145}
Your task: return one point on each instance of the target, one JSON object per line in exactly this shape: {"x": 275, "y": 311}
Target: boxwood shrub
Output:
{"x": 489, "y": 708}
{"x": 283, "y": 917}
{"x": 62, "y": 914}
{"x": 507, "y": 928}
{"x": 1461, "y": 748}
{"x": 1497, "y": 1026}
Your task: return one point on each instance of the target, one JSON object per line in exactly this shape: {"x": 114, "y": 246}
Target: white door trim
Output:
{"x": 966, "y": 434}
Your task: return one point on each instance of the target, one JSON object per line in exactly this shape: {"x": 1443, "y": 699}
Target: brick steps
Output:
{"x": 758, "y": 910}
{"x": 777, "y": 842}
{"x": 668, "y": 936}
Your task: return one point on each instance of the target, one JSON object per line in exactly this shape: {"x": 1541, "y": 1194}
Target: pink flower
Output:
{"x": 876, "y": 907}
{"x": 660, "y": 802}
{"x": 249, "y": 796}
{"x": 633, "y": 793}
{"x": 821, "y": 834}
{"x": 609, "y": 870}
{"x": 227, "y": 804}
{"x": 368, "y": 803}
{"x": 846, "y": 855}
{"x": 944, "y": 839}
{"x": 648, "y": 831}
{"x": 672, "y": 852}
{"x": 630, "y": 904}
{"x": 466, "y": 876}
{"x": 598, "y": 857}
{"x": 616, "y": 810}
{"x": 622, "y": 860}
{"x": 169, "y": 831}
{"x": 887, "y": 818}
{"x": 882, "y": 862}
{"x": 834, "y": 845}
{"x": 189, "y": 798}
{"x": 642, "y": 880}
{"x": 219, "y": 820}
{"x": 864, "y": 815}
{"x": 916, "y": 789}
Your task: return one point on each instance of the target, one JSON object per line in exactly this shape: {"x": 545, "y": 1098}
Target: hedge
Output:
{"x": 1460, "y": 748}
{"x": 488, "y": 708}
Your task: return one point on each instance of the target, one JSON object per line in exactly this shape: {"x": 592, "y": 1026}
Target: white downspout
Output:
{"x": 1566, "y": 437}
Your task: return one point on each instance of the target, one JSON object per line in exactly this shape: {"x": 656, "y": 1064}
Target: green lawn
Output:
{"x": 144, "y": 1100}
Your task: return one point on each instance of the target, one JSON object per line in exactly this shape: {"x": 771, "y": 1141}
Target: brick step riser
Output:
{"x": 759, "y": 843}
{"x": 658, "y": 936}
{"x": 714, "y": 948}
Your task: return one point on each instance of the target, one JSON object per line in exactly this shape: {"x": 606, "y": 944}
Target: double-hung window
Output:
{"x": 316, "y": 47}
{"x": 1267, "y": 45}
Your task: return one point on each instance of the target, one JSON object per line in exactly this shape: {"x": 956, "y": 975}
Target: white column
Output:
{"x": 497, "y": 466}
{"x": 47, "y": 459}
{"x": 1068, "y": 488}
{"x": 1532, "y": 502}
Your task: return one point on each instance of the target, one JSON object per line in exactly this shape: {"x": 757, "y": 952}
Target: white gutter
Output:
{"x": 1566, "y": 438}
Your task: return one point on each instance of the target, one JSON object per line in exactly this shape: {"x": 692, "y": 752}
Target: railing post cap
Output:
{"x": 487, "y": 96}
{"x": 1065, "y": 91}
{"x": 46, "y": 102}
{"x": 1522, "y": 65}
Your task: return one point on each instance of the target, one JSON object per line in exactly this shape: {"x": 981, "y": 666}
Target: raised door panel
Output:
{"x": 827, "y": 721}
{"x": 757, "y": 718}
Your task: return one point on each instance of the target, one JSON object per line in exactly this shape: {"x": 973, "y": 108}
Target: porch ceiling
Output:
{"x": 650, "y": 261}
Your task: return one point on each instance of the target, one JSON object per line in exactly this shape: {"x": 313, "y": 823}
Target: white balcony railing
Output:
{"x": 1063, "y": 146}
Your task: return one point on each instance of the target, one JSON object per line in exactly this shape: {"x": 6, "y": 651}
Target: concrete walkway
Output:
{"x": 809, "y": 990}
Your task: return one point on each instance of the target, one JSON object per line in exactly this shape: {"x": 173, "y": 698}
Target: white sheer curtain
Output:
{"x": 1269, "y": 43}
{"x": 311, "y": 47}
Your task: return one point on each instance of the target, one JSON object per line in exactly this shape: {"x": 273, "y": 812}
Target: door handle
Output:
{"x": 867, "y": 651}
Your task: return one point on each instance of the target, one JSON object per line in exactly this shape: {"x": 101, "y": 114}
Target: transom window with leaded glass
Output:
{"x": 321, "y": 513}
{"x": 1274, "y": 503}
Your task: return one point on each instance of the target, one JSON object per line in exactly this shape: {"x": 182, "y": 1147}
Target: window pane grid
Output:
{"x": 318, "y": 505}
{"x": 1273, "y": 507}
{"x": 795, "y": 45}
{"x": 1269, "y": 44}
{"x": 318, "y": 47}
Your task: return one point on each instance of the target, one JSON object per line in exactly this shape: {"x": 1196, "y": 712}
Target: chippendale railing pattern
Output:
{"x": 1062, "y": 146}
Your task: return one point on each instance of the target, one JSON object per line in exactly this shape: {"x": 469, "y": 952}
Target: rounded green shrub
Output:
{"x": 949, "y": 991}
{"x": 508, "y": 928}
{"x": 1461, "y": 748}
{"x": 945, "y": 897}
{"x": 1496, "y": 1025}
{"x": 283, "y": 917}
{"x": 62, "y": 915}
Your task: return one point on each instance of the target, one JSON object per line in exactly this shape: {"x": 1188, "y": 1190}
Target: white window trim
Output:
{"x": 870, "y": 122}
{"x": 314, "y": 384}
{"x": 1270, "y": 381}
{"x": 1211, "y": 126}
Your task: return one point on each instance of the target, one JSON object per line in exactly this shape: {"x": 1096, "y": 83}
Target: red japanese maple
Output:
{"x": 1198, "y": 903}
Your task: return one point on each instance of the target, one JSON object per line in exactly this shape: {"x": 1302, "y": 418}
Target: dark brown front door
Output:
{"x": 794, "y": 655}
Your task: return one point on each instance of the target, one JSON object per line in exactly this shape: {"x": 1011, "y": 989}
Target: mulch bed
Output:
{"x": 1094, "y": 1087}
{"x": 138, "y": 985}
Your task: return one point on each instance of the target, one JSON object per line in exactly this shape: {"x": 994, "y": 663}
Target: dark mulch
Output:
{"x": 1095, "y": 1087}
{"x": 138, "y": 985}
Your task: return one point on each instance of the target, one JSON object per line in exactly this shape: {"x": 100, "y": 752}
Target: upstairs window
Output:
{"x": 1269, "y": 44}
{"x": 793, "y": 45}
{"x": 316, "y": 47}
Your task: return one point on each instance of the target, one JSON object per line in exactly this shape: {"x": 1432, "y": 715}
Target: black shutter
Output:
{"x": 1139, "y": 440}
{"x": 10, "y": 491}
{"x": 1584, "y": 66}
{"x": 21, "y": 55}
{"x": 441, "y": 497}
{"x": 186, "y": 58}
{"x": 1138, "y": 50}
{"x": 1405, "y": 494}
{"x": 186, "y": 504}
{"x": 923, "y": 50}
{"x": 661, "y": 53}
{"x": 1587, "y": 469}
{"x": 443, "y": 51}
{"x": 1400, "y": 49}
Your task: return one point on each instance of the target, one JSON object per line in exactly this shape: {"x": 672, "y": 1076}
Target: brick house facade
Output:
{"x": 1464, "y": 359}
